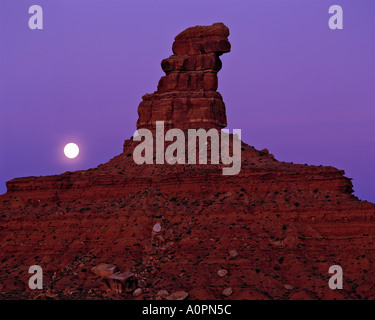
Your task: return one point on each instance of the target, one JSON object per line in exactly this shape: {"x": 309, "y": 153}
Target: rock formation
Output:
{"x": 128, "y": 231}
{"x": 186, "y": 97}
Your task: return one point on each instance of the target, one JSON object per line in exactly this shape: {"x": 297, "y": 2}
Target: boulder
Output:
{"x": 104, "y": 269}
{"x": 179, "y": 295}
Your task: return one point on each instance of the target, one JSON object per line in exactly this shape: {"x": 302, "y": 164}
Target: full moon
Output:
{"x": 71, "y": 150}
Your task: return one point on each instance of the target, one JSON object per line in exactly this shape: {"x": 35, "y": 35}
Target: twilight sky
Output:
{"x": 305, "y": 92}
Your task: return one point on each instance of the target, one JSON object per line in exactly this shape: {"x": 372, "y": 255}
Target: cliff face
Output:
{"x": 186, "y": 97}
{"x": 272, "y": 231}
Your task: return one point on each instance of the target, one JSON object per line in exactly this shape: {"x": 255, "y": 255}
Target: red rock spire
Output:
{"x": 186, "y": 97}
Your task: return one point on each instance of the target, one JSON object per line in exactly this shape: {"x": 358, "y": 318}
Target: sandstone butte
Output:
{"x": 187, "y": 231}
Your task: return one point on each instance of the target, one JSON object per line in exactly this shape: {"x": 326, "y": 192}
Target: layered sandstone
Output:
{"x": 186, "y": 97}
{"x": 167, "y": 231}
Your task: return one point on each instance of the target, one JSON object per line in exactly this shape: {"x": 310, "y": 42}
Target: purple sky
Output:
{"x": 291, "y": 84}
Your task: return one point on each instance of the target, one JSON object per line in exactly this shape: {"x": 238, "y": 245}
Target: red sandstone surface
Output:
{"x": 186, "y": 97}
{"x": 128, "y": 231}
